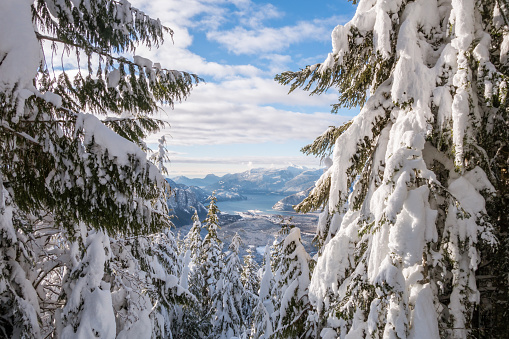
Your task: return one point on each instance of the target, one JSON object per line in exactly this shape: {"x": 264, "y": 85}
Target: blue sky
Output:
{"x": 240, "y": 117}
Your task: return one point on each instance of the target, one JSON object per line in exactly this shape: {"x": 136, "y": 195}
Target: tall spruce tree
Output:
{"x": 413, "y": 238}
{"x": 207, "y": 271}
{"x": 251, "y": 282}
{"x": 228, "y": 320}
{"x": 193, "y": 240}
{"x": 211, "y": 250}
{"x": 70, "y": 179}
{"x": 262, "y": 313}
{"x": 292, "y": 276}
{"x": 195, "y": 318}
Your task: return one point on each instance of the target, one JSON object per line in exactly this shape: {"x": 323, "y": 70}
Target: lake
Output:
{"x": 258, "y": 202}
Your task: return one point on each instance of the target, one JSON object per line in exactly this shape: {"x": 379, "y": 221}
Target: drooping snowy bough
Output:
{"x": 413, "y": 236}
{"x": 80, "y": 204}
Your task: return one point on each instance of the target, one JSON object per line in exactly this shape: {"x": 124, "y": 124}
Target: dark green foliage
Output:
{"x": 324, "y": 144}
{"x": 291, "y": 266}
{"x": 360, "y": 70}
{"x": 69, "y": 176}
{"x": 44, "y": 158}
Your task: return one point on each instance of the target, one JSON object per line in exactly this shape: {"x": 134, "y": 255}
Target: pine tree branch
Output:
{"x": 21, "y": 134}
{"x": 97, "y": 50}
{"x": 57, "y": 264}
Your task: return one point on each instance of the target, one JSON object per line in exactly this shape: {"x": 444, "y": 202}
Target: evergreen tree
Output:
{"x": 414, "y": 198}
{"x": 250, "y": 269}
{"x": 195, "y": 318}
{"x": 193, "y": 240}
{"x": 262, "y": 314}
{"x": 251, "y": 283}
{"x": 19, "y": 305}
{"x": 277, "y": 248}
{"x": 153, "y": 295}
{"x": 204, "y": 274}
{"x": 228, "y": 319}
{"x": 292, "y": 278}
{"x": 88, "y": 311}
{"x": 211, "y": 252}
{"x": 68, "y": 179}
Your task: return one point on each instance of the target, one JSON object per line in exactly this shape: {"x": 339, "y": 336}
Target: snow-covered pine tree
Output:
{"x": 88, "y": 311}
{"x": 292, "y": 277}
{"x": 19, "y": 304}
{"x": 251, "y": 282}
{"x": 66, "y": 161}
{"x": 145, "y": 276}
{"x": 277, "y": 248}
{"x": 193, "y": 240}
{"x": 262, "y": 314}
{"x": 250, "y": 278}
{"x": 194, "y": 320}
{"x": 206, "y": 273}
{"x": 211, "y": 251}
{"x": 66, "y": 176}
{"x": 228, "y": 320}
{"x": 426, "y": 159}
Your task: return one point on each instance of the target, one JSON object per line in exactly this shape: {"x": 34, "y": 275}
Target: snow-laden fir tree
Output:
{"x": 262, "y": 313}
{"x": 69, "y": 179}
{"x": 148, "y": 298}
{"x": 211, "y": 256}
{"x": 228, "y": 320}
{"x": 193, "y": 240}
{"x": 194, "y": 319}
{"x": 190, "y": 251}
{"x": 88, "y": 311}
{"x": 290, "y": 293}
{"x": 277, "y": 249}
{"x": 251, "y": 282}
{"x": 250, "y": 278}
{"x": 205, "y": 273}
{"x": 411, "y": 251}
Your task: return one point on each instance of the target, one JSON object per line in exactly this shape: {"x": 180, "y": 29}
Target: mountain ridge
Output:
{"x": 190, "y": 193}
{"x": 290, "y": 180}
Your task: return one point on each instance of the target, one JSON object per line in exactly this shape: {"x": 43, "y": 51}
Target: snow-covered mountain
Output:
{"x": 260, "y": 180}
{"x": 200, "y": 182}
{"x": 189, "y": 193}
{"x": 286, "y": 204}
{"x": 224, "y": 195}
{"x": 303, "y": 181}
{"x": 183, "y": 201}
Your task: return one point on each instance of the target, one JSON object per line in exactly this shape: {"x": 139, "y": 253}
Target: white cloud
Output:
{"x": 240, "y": 40}
{"x": 257, "y": 91}
{"x": 253, "y": 15}
{"x": 250, "y": 36}
{"x": 250, "y": 161}
{"x": 183, "y": 13}
{"x": 243, "y": 110}
{"x": 278, "y": 63}
{"x": 216, "y": 123}
{"x": 200, "y": 166}
{"x": 182, "y": 59}
{"x": 240, "y": 104}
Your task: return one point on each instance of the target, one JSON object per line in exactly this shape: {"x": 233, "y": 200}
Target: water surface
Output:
{"x": 257, "y": 202}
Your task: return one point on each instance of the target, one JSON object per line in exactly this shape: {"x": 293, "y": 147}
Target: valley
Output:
{"x": 253, "y": 204}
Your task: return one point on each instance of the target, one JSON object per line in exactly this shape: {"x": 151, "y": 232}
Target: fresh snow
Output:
{"x": 386, "y": 241}
{"x": 20, "y": 61}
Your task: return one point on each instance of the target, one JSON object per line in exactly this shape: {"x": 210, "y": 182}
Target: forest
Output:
{"x": 412, "y": 239}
